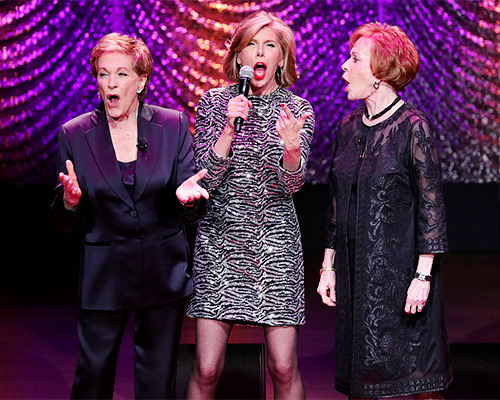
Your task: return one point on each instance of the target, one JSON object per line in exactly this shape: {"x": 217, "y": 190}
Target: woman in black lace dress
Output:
{"x": 385, "y": 224}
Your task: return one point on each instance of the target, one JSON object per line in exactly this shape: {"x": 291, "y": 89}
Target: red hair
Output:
{"x": 394, "y": 58}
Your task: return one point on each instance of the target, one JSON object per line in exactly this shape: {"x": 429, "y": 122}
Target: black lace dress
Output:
{"x": 380, "y": 350}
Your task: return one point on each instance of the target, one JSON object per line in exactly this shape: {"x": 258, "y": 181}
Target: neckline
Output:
{"x": 126, "y": 162}
{"x": 384, "y": 111}
{"x": 264, "y": 96}
{"x": 381, "y": 123}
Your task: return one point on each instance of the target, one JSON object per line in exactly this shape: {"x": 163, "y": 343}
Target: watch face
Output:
{"x": 422, "y": 277}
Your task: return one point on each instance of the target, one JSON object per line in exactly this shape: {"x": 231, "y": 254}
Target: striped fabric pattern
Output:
{"x": 248, "y": 264}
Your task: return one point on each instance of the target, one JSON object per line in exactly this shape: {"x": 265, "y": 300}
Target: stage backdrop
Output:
{"x": 45, "y": 74}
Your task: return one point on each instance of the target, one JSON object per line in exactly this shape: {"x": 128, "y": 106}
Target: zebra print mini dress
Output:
{"x": 248, "y": 264}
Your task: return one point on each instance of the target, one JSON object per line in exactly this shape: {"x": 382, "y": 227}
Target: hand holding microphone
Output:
{"x": 237, "y": 113}
{"x": 246, "y": 75}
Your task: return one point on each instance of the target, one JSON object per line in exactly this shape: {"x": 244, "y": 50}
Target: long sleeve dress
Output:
{"x": 248, "y": 264}
{"x": 398, "y": 214}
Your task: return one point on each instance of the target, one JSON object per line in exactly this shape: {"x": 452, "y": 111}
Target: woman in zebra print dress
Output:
{"x": 248, "y": 264}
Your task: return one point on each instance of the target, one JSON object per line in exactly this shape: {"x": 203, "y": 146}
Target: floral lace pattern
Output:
{"x": 381, "y": 350}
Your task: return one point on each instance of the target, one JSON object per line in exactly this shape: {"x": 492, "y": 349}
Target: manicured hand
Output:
{"x": 238, "y": 106}
{"x": 288, "y": 127}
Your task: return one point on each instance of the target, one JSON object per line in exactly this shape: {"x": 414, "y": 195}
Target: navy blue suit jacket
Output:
{"x": 134, "y": 249}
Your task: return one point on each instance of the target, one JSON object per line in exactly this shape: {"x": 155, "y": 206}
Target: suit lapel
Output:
{"x": 146, "y": 159}
{"x": 99, "y": 140}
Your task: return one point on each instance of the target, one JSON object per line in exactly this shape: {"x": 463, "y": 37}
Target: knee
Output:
{"x": 96, "y": 366}
{"x": 282, "y": 370}
{"x": 208, "y": 373}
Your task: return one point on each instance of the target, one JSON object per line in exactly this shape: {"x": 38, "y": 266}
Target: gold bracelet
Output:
{"x": 326, "y": 269}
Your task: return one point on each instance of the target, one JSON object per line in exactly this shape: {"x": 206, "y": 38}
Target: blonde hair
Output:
{"x": 394, "y": 58}
{"x": 245, "y": 32}
{"x": 132, "y": 46}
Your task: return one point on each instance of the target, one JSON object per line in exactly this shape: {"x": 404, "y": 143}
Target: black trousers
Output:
{"x": 156, "y": 343}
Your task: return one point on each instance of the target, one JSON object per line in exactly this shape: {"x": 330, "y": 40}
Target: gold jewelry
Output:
{"x": 323, "y": 269}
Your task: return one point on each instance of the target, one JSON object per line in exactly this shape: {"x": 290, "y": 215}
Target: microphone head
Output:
{"x": 246, "y": 72}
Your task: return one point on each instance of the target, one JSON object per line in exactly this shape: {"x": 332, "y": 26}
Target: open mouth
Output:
{"x": 346, "y": 81}
{"x": 259, "y": 70}
{"x": 113, "y": 99}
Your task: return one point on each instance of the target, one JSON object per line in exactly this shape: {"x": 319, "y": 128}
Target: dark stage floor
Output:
{"x": 38, "y": 342}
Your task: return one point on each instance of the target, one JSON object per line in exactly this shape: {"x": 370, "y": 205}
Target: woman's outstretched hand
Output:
{"x": 190, "y": 190}
{"x": 288, "y": 128}
{"x": 72, "y": 191}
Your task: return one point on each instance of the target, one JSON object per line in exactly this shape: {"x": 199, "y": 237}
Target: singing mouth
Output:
{"x": 113, "y": 99}
{"x": 259, "y": 70}
{"x": 347, "y": 84}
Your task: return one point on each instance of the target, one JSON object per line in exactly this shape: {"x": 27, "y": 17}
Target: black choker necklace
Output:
{"x": 383, "y": 111}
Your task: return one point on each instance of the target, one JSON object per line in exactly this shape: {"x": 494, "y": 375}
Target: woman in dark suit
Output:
{"x": 122, "y": 166}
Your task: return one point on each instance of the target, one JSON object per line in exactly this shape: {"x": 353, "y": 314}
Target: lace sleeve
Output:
{"x": 428, "y": 189}
{"x": 331, "y": 214}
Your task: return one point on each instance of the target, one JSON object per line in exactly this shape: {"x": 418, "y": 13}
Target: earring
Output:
{"x": 278, "y": 74}
{"x": 139, "y": 91}
{"x": 376, "y": 85}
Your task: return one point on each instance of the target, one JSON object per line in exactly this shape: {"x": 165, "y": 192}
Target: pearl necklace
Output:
{"x": 383, "y": 111}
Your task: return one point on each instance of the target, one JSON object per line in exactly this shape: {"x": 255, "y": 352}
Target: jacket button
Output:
{"x": 133, "y": 214}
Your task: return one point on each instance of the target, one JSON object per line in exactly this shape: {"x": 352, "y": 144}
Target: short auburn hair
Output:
{"x": 245, "y": 32}
{"x": 129, "y": 45}
{"x": 394, "y": 58}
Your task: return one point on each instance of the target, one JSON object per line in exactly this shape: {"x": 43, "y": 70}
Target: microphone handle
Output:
{"x": 238, "y": 124}
{"x": 243, "y": 89}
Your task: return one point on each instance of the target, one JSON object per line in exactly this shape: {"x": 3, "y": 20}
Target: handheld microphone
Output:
{"x": 142, "y": 144}
{"x": 246, "y": 75}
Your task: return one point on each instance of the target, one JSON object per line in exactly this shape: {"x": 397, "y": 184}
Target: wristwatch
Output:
{"x": 422, "y": 277}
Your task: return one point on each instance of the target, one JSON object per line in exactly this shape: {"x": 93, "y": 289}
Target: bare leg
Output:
{"x": 211, "y": 342}
{"x": 429, "y": 395}
{"x": 282, "y": 362}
